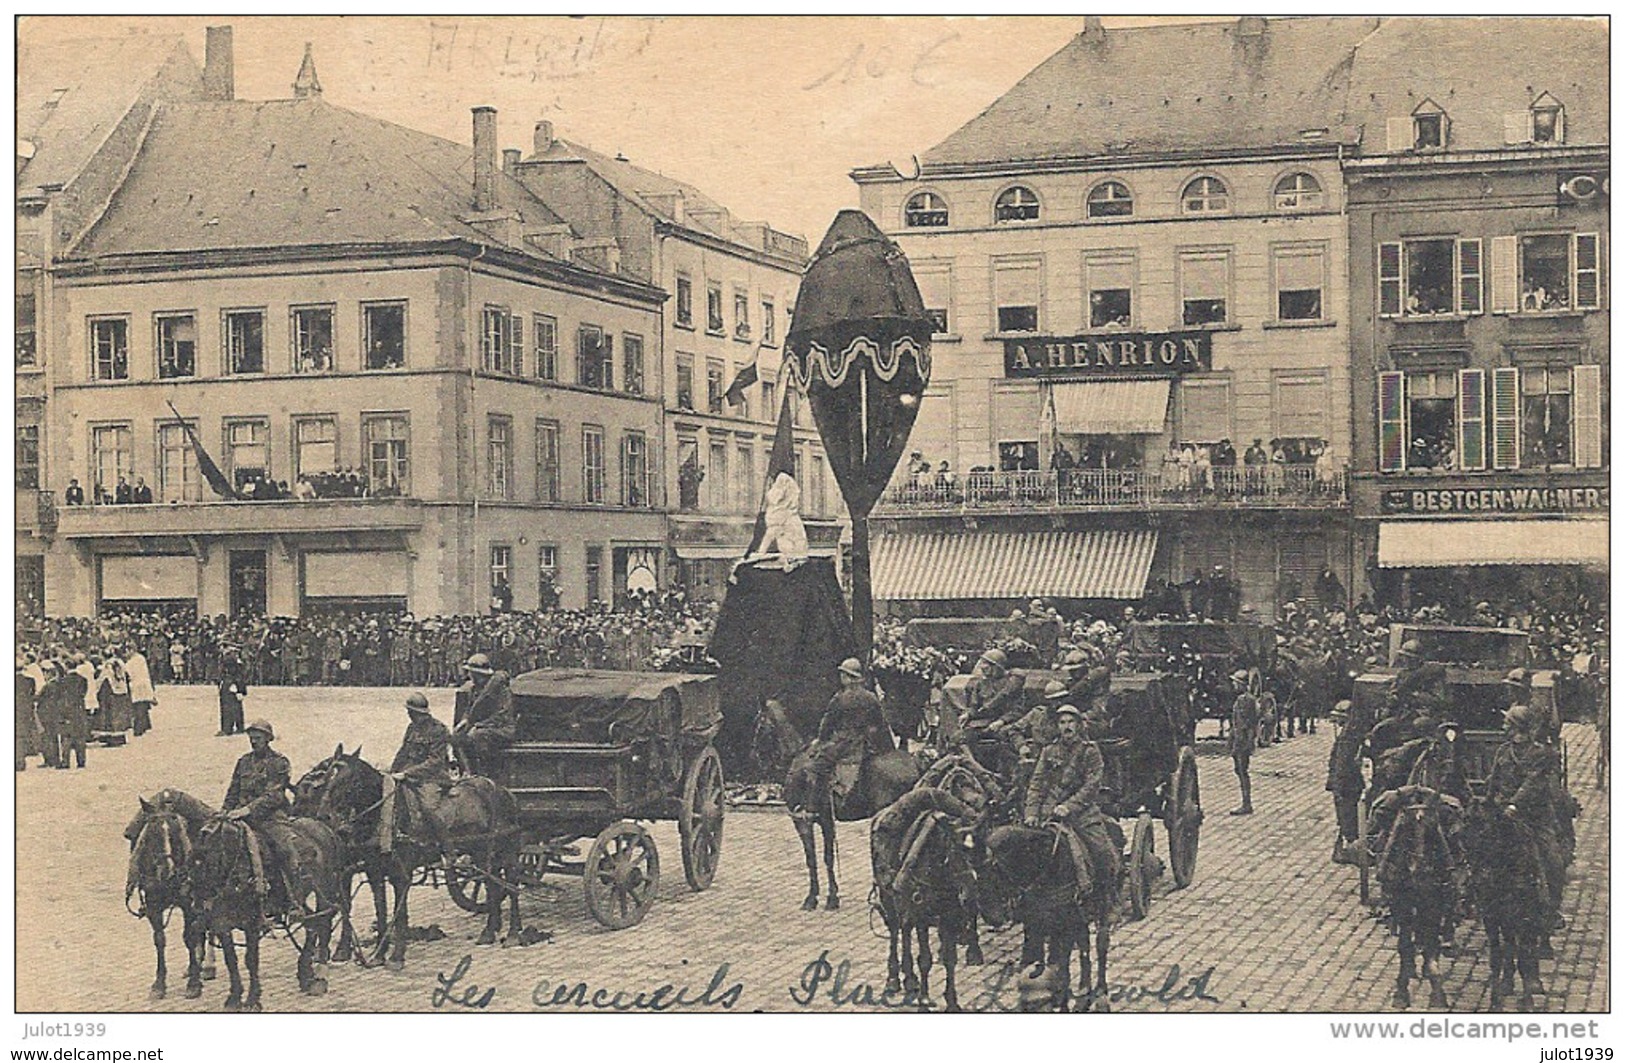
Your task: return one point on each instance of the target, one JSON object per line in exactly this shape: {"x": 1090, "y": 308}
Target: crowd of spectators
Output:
{"x": 343, "y": 482}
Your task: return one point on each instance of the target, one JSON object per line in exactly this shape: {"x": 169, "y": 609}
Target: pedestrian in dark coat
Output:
{"x": 25, "y": 723}
{"x": 75, "y": 719}
{"x": 233, "y": 689}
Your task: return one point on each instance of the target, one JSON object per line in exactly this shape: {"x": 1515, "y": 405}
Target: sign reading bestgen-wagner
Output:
{"x": 1496, "y": 499}
{"x": 1117, "y": 354}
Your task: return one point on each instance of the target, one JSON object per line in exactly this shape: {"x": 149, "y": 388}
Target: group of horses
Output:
{"x": 949, "y": 854}
{"x": 219, "y": 874}
{"x": 1437, "y": 851}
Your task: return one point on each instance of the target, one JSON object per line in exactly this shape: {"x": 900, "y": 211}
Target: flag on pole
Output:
{"x": 736, "y": 391}
{"x": 211, "y": 472}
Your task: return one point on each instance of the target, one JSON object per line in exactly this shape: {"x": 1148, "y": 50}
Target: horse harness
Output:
{"x": 172, "y": 865}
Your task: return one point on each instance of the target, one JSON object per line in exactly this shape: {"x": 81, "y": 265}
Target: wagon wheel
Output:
{"x": 469, "y": 887}
{"x": 621, "y": 875}
{"x": 699, "y": 820}
{"x": 1182, "y": 815}
{"x": 1141, "y": 866}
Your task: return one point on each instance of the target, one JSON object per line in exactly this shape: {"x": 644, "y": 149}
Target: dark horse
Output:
{"x": 231, "y": 883}
{"x": 881, "y": 780}
{"x": 1031, "y": 879}
{"x": 476, "y": 817}
{"x": 925, "y": 852}
{"x": 1415, "y": 842}
{"x": 1510, "y": 896}
{"x": 162, "y": 836}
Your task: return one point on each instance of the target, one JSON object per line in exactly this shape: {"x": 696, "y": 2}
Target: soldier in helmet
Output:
{"x": 995, "y": 695}
{"x": 1244, "y": 716}
{"x": 1065, "y": 789}
{"x": 486, "y": 722}
{"x": 420, "y": 762}
{"x": 258, "y": 795}
{"x": 853, "y": 725}
{"x": 1526, "y": 780}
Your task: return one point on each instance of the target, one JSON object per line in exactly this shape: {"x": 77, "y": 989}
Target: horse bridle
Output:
{"x": 167, "y": 824}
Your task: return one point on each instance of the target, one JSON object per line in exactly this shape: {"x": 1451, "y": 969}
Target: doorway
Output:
{"x": 247, "y": 582}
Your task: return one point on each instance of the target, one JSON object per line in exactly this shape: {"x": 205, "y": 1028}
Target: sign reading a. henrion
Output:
{"x": 1114, "y": 355}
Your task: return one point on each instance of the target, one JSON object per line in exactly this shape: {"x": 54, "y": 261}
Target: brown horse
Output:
{"x": 162, "y": 836}
{"x": 476, "y": 819}
{"x": 232, "y": 881}
{"x": 881, "y": 780}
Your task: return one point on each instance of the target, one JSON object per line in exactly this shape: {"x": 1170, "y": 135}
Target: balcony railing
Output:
{"x": 282, "y": 516}
{"x": 1264, "y": 487}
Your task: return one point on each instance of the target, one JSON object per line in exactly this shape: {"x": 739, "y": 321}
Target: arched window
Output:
{"x": 1110, "y": 199}
{"x": 925, "y": 210}
{"x": 1016, "y": 204}
{"x": 1297, "y": 191}
{"x": 1206, "y": 195}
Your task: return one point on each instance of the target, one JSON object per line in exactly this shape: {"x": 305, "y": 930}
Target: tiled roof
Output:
{"x": 1168, "y": 88}
{"x": 279, "y": 173}
{"x": 72, "y": 93}
{"x": 1479, "y": 70}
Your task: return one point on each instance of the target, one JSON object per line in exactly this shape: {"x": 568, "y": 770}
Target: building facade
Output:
{"x": 730, "y": 287}
{"x": 1478, "y": 221}
{"x": 324, "y": 301}
{"x": 1139, "y": 274}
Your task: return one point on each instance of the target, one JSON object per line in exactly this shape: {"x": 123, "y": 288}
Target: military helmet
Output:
{"x": 1521, "y": 718}
{"x": 1516, "y": 677}
{"x": 996, "y": 656}
{"x": 1075, "y": 660}
{"x": 1054, "y": 690}
{"x": 1411, "y": 648}
{"x": 852, "y": 667}
{"x": 416, "y": 702}
{"x": 264, "y": 728}
{"x": 1068, "y": 710}
{"x": 478, "y": 663}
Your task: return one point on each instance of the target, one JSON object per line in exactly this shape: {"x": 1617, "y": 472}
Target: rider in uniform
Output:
{"x": 486, "y": 722}
{"x": 1065, "y": 789}
{"x": 420, "y": 762}
{"x": 258, "y": 795}
{"x": 853, "y": 724}
{"x": 1526, "y": 779}
{"x": 995, "y": 696}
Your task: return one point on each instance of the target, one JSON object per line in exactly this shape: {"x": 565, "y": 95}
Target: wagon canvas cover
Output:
{"x": 613, "y": 707}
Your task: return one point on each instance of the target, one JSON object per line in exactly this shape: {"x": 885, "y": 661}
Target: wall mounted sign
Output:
{"x": 1115, "y": 355}
{"x": 1496, "y": 500}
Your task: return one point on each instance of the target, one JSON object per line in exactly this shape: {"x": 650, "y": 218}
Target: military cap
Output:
{"x": 852, "y": 667}
{"x": 263, "y": 727}
{"x": 478, "y": 663}
{"x": 416, "y": 702}
{"x": 1054, "y": 690}
{"x": 1067, "y": 710}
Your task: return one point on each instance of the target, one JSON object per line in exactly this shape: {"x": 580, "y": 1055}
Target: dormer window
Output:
{"x": 1016, "y": 204}
{"x": 1546, "y": 120}
{"x": 1205, "y": 195}
{"x": 925, "y": 210}
{"x": 1429, "y": 127}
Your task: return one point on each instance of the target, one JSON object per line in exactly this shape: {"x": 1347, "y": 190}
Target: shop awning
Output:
{"x": 1449, "y": 543}
{"x": 1111, "y": 407}
{"x": 943, "y": 565}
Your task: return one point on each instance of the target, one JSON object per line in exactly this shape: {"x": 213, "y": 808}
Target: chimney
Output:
{"x": 1250, "y": 27}
{"x": 485, "y": 159}
{"x": 307, "y": 85}
{"x": 543, "y": 138}
{"x": 510, "y": 160}
{"x": 217, "y": 76}
{"x": 1094, "y": 30}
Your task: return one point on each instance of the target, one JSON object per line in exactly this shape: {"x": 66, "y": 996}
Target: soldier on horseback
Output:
{"x": 258, "y": 797}
{"x": 1065, "y": 790}
{"x": 485, "y": 719}
{"x": 1526, "y": 780}
{"x": 853, "y": 727}
{"x": 419, "y": 763}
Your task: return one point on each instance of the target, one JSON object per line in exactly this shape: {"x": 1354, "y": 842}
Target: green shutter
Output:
{"x": 1470, "y": 418}
{"x": 1504, "y": 449}
{"x": 1588, "y": 416}
{"x": 1391, "y": 422}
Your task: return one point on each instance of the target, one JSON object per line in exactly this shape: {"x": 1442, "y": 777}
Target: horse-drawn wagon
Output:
{"x": 1207, "y": 653}
{"x": 599, "y": 754}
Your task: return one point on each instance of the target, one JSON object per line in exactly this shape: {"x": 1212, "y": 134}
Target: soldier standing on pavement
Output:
{"x": 1243, "y": 740}
{"x": 1065, "y": 789}
{"x": 485, "y": 722}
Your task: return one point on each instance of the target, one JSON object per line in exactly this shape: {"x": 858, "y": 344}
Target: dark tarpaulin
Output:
{"x": 780, "y": 635}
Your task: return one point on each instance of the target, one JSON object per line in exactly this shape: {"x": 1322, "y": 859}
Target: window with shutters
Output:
{"x": 1109, "y": 285}
{"x": 1300, "y": 279}
{"x": 1589, "y": 444}
{"x": 1553, "y": 272}
{"x": 632, "y": 364}
{"x": 544, "y": 330}
{"x": 1430, "y": 267}
{"x": 1430, "y": 276}
{"x": 592, "y": 464}
{"x": 935, "y": 280}
{"x": 925, "y": 210}
{"x": 634, "y": 469}
{"x": 547, "y": 460}
{"x": 177, "y": 345}
{"x": 1204, "y": 410}
{"x": 1544, "y": 272}
{"x": 595, "y": 358}
{"x": 1301, "y": 406}
{"x": 1109, "y": 199}
{"x": 1548, "y": 416}
{"x": 1504, "y": 418}
{"x": 1204, "y": 287}
{"x": 1391, "y": 422}
{"x": 1017, "y": 294}
{"x": 1470, "y": 453}
{"x": 1430, "y": 414}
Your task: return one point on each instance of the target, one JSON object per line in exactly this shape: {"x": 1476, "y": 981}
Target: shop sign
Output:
{"x": 1496, "y": 500}
{"x": 1115, "y": 355}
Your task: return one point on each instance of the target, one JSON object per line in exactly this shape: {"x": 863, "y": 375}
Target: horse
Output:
{"x": 477, "y": 818}
{"x": 230, "y": 882}
{"x": 162, "y": 836}
{"x": 1031, "y": 879}
{"x": 924, "y": 851}
{"x": 882, "y": 779}
{"x": 1414, "y": 840}
{"x": 1509, "y": 894}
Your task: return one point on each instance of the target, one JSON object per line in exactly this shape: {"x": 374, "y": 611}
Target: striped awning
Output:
{"x": 1449, "y": 543}
{"x": 942, "y": 565}
{"x": 1112, "y": 407}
